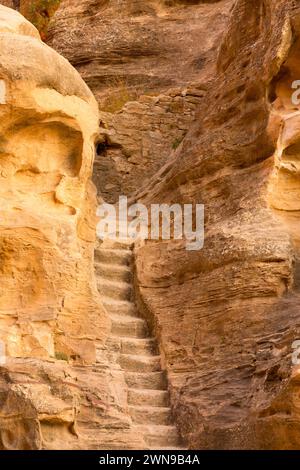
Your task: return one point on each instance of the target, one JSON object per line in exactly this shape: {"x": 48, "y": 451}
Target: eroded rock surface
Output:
{"x": 54, "y": 392}
{"x": 137, "y": 46}
{"x": 48, "y": 128}
{"x": 148, "y": 64}
{"x": 227, "y": 315}
{"x": 136, "y": 142}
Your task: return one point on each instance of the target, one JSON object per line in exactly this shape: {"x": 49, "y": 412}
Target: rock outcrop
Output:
{"x": 148, "y": 64}
{"x": 54, "y": 392}
{"x": 135, "y": 142}
{"x": 227, "y": 315}
{"x": 222, "y": 131}
{"x": 126, "y": 48}
{"x": 38, "y": 12}
{"x": 49, "y": 123}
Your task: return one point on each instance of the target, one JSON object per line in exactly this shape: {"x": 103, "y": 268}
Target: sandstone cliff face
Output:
{"x": 142, "y": 46}
{"x": 54, "y": 393}
{"x": 155, "y": 56}
{"x": 227, "y": 315}
{"x": 48, "y": 127}
{"x": 227, "y": 341}
{"x": 135, "y": 142}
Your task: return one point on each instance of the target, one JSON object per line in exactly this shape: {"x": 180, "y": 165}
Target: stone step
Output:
{"x": 158, "y": 436}
{"x": 148, "y": 397}
{"x": 132, "y": 363}
{"x": 118, "y": 272}
{"x": 118, "y": 290}
{"x": 113, "y": 256}
{"x": 150, "y": 414}
{"x": 120, "y": 242}
{"x": 128, "y": 326}
{"x": 113, "y": 344}
{"x": 148, "y": 380}
{"x": 139, "y": 346}
{"x": 119, "y": 307}
{"x": 132, "y": 349}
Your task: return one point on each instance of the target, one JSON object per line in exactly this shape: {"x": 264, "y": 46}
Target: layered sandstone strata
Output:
{"x": 49, "y": 123}
{"x": 148, "y": 63}
{"x": 225, "y": 316}
{"x": 137, "y": 46}
{"x": 228, "y": 315}
{"x": 54, "y": 391}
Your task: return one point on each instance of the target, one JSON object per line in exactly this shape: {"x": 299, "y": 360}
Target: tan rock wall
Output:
{"x": 135, "y": 142}
{"x": 54, "y": 392}
{"x": 227, "y": 315}
{"x": 140, "y": 59}
{"x": 128, "y": 48}
{"x": 48, "y": 128}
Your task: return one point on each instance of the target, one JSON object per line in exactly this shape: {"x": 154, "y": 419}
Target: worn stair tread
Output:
{"x": 121, "y": 242}
{"x": 111, "y": 269}
{"x": 148, "y": 397}
{"x": 157, "y": 436}
{"x": 119, "y": 307}
{"x": 144, "y": 358}
{"x": 116, "y": 266}
{"x": 127, "y": 319}
{"x": 118, "y": 251}
{"x": 115, "y": 289}
{"x": 140, "y": 363}
{"x": 114, "y": 283}
{"x": 150, "y": 414}
{"x": 139, "y": 346}
{"x": 128, "y": 327}
{"x": 157, "y": 429}
{"x": 147, "y": 380}
{"x": 151, "y": 408}
{"x": 113, "y": 255}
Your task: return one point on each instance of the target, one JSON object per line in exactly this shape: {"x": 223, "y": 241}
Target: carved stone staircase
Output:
{"x": 148, "y": 396}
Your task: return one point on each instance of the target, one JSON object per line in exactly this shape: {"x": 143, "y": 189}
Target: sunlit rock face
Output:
{"x": 50, "y": 316}
{"x": 227, "y": 315}
{"x": 125, "y": 48}
{"x": 148, "y": 64}
{"x": 48, "y": 126}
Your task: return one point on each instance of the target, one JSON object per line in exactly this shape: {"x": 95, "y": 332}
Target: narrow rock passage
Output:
{"x": 148, "y": 396}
